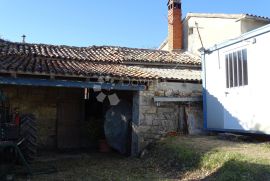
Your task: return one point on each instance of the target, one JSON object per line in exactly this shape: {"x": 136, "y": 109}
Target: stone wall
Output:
{"x": 42, "y": 102}
{"x": 152, "y": 121}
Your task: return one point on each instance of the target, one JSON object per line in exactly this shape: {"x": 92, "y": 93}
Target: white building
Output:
{"x": 200, "y": 30}
{"x": 236, "y": 92}
{"x": 215, "y": 28}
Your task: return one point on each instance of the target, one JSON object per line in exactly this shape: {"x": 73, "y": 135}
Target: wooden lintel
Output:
{"x": 68, "y": 83}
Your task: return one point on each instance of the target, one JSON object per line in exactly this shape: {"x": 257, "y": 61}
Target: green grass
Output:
{"x": 201, "y": 160}
{"x": 234, "y": 166}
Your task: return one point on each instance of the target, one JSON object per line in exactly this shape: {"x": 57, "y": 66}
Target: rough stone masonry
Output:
{"x": 152, "y": 121}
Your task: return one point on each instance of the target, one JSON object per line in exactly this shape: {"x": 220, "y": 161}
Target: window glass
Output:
{"x": 231, "y": 69}
{"x": 240, "y": 68}
{"x": 227, "y": 71}
{"x": 245, "y": 67}
{"x": 236, "y": 69}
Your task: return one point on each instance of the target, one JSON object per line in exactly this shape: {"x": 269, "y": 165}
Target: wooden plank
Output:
{"x": 68, "y": 125}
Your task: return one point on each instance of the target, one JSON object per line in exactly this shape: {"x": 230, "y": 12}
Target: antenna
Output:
{"x": 197, "y": 27}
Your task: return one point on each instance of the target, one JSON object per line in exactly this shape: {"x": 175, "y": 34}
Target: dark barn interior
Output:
{"x": 74, "y": 118}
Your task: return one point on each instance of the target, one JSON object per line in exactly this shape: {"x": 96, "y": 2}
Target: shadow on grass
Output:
{"x": 241, "y": 170}
{"x": 175, "y": 159}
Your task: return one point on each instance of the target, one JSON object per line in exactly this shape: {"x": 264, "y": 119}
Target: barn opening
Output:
{"x": 108, "y": 119}
{"x": 67, "y": 120}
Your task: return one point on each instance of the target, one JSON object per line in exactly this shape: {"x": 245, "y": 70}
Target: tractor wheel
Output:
{"x": 28, "y": 133}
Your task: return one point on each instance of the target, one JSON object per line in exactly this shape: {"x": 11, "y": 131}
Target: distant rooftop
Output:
{"x": 229, "y": 16}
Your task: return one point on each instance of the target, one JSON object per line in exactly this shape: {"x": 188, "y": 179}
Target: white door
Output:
{"x": 236, "y": 107}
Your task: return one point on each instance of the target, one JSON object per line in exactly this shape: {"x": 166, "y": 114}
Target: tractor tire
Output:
{"x": 28, "y": 133}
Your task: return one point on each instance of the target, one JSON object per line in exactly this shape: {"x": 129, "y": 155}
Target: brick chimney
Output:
{"x": 175, "y": 31}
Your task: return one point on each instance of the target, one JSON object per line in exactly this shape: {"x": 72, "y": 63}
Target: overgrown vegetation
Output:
{"x": 178, "y": 158}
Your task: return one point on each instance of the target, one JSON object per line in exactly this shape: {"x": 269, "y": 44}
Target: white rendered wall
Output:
{"x": 212, "y": 30}
{"x": 214, "y": 91}
{"x": 246, "y": 106}
{"x": 215, "y": 30}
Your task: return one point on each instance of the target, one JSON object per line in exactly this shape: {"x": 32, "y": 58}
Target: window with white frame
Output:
{"x": 236, "y": 69}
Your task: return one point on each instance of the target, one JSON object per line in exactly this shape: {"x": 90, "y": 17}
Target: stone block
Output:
{"x": 162, "y": 128}
{"x": 165, "y": 110}
{"x": 150, "y": 117}
{"x": 160, "y": 115}
{"x": 149, "y": 109}
{"x": 148, "y": 122}
{"x": 160, "y": 93}
{"x": 151, "y": 87}
{"x": 143, "y": 129}
{"x": 169, "y": 116}
{"x": 154, "y": 129}
{"x": 156, "y": 122}
{"x": 168, "y": 93}
{"x": 146, "y": 101}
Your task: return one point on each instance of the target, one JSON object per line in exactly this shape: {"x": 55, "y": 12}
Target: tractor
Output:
{"x": 18, "y": 129}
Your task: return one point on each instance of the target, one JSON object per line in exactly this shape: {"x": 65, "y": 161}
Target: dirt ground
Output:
{"x": 204, "y": 158}
{"x": 91, "y": 166}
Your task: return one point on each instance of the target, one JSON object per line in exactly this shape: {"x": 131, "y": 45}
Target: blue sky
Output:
{"x": 131, "y": 23}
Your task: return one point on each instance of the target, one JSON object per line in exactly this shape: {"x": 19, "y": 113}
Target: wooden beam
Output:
{"x": 68, "y": 83}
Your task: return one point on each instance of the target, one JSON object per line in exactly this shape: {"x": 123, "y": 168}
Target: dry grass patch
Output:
{"x": 177, "y": 158}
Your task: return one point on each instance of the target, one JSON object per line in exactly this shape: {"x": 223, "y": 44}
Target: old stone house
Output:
{"x": 50, "y": 82}
{"x": 154, "y": 92}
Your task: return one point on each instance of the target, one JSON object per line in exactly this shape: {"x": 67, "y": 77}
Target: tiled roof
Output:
{"x": 89, "y": 62}
{"x": 175, "y": 74}
{"x": 96, "y": 53}
{"x": 68, "y": 68}
{"x": 263, "y": 18}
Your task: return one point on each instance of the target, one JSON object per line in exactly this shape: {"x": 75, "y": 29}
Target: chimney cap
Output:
{"x": 174, "y": 1}
{"x": 23, "y": 36}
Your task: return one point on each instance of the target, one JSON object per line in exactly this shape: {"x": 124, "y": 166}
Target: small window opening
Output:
{"x": 190, "y": 31}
